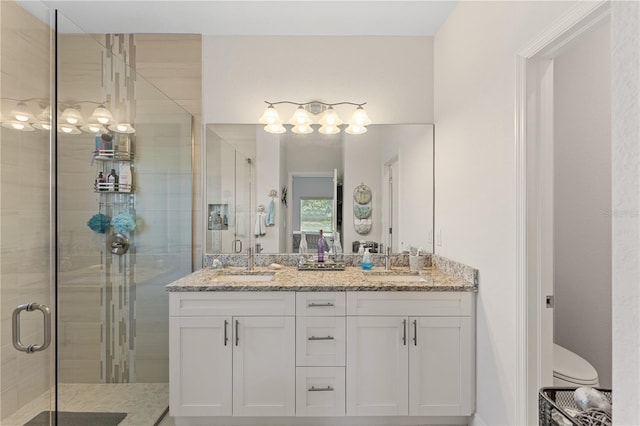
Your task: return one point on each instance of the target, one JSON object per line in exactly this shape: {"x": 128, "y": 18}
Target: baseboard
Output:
{"x": 476, "y": 420}
{"x": 323, "y": 421}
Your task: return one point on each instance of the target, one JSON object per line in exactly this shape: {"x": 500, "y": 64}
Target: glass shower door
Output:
{"x": 26, "y": 242}
{"x": 124, "y": 193}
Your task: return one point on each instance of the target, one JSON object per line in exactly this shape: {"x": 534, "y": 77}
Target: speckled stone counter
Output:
{"x": 351, "y": 279}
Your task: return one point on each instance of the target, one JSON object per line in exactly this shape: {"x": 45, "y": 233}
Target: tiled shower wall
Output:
{"x": 24, "y": 206}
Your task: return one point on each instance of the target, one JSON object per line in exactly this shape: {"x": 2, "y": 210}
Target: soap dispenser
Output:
{"x": 366, "y": 263}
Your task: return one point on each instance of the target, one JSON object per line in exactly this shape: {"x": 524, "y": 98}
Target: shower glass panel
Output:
{"x": 124, "y": 227}
{"x": 26, "y": 267}
{"x": 230, "y": 226}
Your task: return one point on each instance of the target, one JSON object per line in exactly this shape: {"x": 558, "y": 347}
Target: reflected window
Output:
{"x": 316, "y": 214}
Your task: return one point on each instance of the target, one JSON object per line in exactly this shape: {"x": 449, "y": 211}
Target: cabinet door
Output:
{"x": 264, "y": 366}
{"x": 440, "y": 366}
{"x": 200, "y": 366}
{"x": 377, "y": 366}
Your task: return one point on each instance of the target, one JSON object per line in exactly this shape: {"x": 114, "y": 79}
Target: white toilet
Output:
{"x": 571, "y": 370}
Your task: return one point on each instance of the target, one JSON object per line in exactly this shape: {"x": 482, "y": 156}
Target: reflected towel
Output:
{"x": 271, "y": 215}
{"x": 260, "y": 224}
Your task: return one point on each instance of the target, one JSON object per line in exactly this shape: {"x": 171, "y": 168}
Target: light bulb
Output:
{"x": 67, "y": 129}
{"x": 17, "y": 126}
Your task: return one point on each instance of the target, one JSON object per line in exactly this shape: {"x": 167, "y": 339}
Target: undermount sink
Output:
{"x": 395, "y": 278}
{"x": 243, "y": 277}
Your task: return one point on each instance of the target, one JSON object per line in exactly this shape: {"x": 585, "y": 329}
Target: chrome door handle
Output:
{"x": 29, "y": 307}
{"x": 315, "y": 389}
{"x": 321, "y": 338}
{"x": 404, "y": 332}
{"x": 237, "y": 335}
{"x": 319, "y": 305}
{"x": 226, "y": 338}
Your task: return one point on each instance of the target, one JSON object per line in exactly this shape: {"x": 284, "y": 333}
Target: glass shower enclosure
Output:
{"x": 94, "y": 223}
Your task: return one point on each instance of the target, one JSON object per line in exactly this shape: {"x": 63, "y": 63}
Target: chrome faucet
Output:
{"x": 250, "y": 259}
{"x": 387, "y": 260}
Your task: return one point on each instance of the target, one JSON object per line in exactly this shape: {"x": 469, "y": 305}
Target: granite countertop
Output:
{"x": 351, "y": 279}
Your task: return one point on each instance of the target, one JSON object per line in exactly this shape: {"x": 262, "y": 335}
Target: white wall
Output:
{"x": 474, "y": 80}
{"x": 582, "y": 199}
{"x": 625, "y": 102}
{"x": 362, "y": 154}
{"x": 268, "y": 170}
{"x": 393, "y": 74}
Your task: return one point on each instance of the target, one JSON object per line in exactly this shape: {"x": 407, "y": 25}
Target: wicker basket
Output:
{"x": 551, "y": 402}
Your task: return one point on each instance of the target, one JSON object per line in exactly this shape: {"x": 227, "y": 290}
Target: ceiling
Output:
{"x": 263, "y": 17}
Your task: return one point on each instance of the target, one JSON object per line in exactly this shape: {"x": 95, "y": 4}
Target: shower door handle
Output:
{"x": 29, "y": 307}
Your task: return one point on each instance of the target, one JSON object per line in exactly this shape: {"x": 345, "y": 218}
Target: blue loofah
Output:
{"x": 99, "y": 223}
{"x": 124, "y": 222}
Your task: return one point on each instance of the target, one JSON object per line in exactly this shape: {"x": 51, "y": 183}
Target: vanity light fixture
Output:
{"x": 70, "y": 121}
{"x": 301, "y": 120}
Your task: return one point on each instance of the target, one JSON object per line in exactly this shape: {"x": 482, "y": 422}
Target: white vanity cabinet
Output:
{"x": 232, "y": 354}
{"x": 375, "y": 355}
{"x": 410, "y": 353}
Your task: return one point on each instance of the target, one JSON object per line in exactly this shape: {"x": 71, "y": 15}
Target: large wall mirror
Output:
{"x": 263, "y": 190}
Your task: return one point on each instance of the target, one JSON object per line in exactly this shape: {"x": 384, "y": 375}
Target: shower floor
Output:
{"x": 144, "y": 403}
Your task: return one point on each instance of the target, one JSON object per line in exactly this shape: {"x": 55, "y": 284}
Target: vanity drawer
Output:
{"x": 320, "y": 391}
{"x": 418, "y": 303}
{"x": 227, "y": 303}
{"x": 320, "y": 303}
{"x": 320, "y": 341}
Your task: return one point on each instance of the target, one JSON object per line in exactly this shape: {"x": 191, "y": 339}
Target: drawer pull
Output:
{"x": 319, "y": 305}
{"x": 315, "y": 389}
{"x": 226, "y": 337}
{"x": 321, "y": 338}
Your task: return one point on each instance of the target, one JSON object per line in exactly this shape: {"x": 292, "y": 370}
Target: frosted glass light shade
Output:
{"x": 68, "y": 129}
{"x": 302, "y": 129}
{"x": 355, "y": 129}
{"x": 270, "y": 116}
{"x": 300, "y": 117}
{"x": 18, "y": 125}
{"x": 275, "y": 128}
{"x": 21, "y": 113}
{"x": 71, "y": 116}
{"x": 93, "y": 128}
{"x": 329, "y": 130}
{"x": 101, "y": 115}
{"x": 121, "y": 128}
{"x": 360, "y": 117}
{"x": 42, "y": 125}
{"x": 330, "y": 118}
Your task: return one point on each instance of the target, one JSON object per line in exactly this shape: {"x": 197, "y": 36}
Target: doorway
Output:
{"x": 535, "y": 209}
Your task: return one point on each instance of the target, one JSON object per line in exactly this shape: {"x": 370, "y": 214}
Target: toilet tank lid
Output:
{"x": 570, "y": 365}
